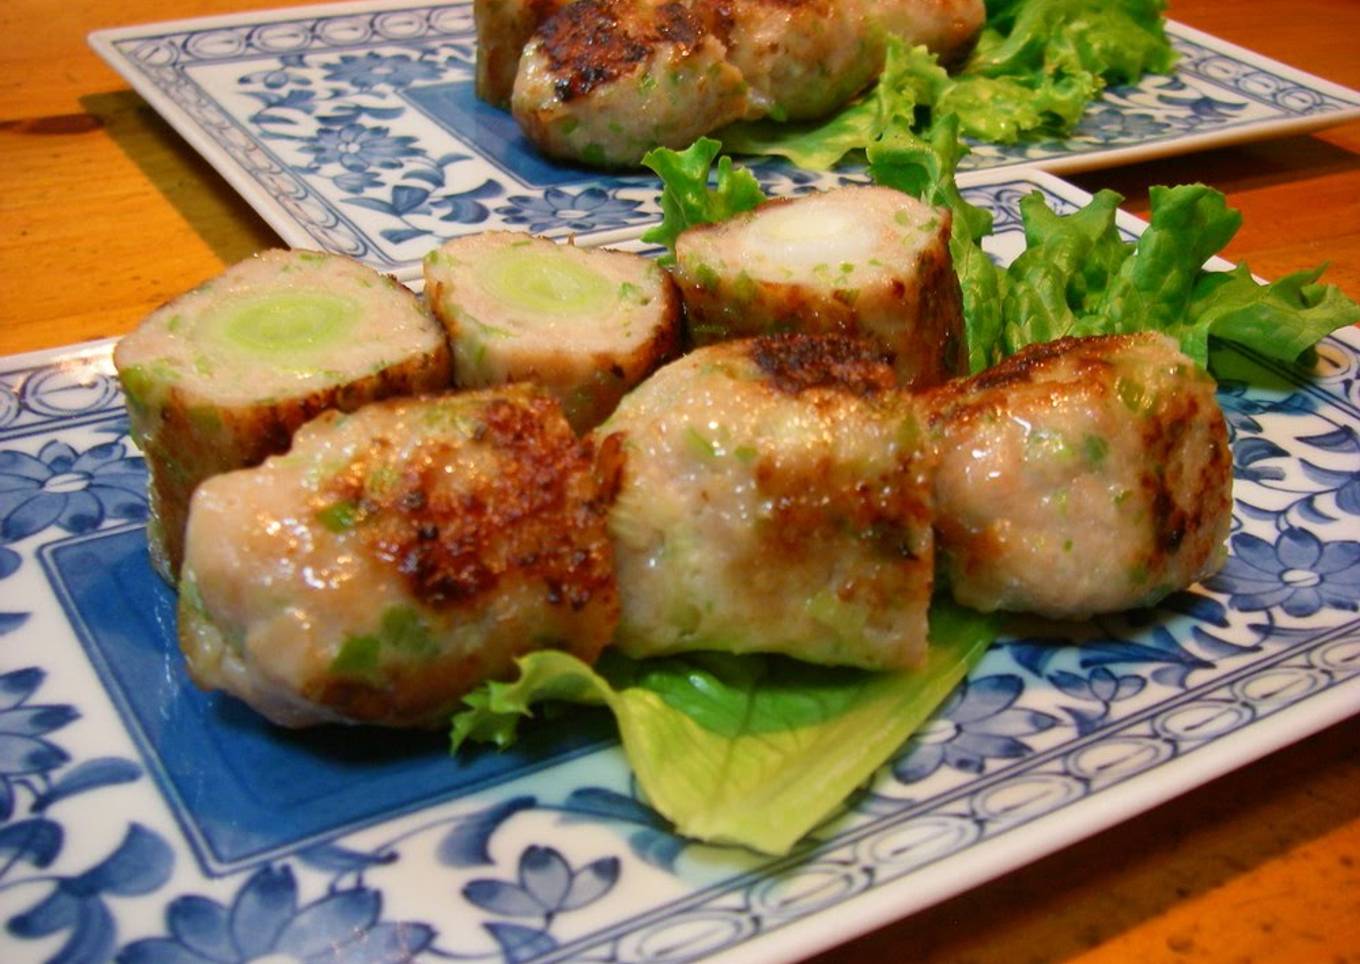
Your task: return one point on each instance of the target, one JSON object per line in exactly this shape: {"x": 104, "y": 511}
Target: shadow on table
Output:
{"x": 217, "y": 214}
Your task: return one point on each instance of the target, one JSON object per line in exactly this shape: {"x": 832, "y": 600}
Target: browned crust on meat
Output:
{"x": 891, "y": 513}
{"x": 881, "y": 525}
{"x": 594, "y": 42}
{"x": 795, "y": 363}
{"x": 537, "y": 519}
{"x": 918, "y": 326}
{"x": 189, "y": 440}
{"x": 1083, "y": 359}
{"x": 503, "y": 28}
{"x": 934, "y": 351}
{"x": 1181, "y": 524}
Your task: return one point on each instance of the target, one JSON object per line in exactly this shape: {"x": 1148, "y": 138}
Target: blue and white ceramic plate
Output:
{"x": 141, "y": 817}
{"x": 353, "y": 128}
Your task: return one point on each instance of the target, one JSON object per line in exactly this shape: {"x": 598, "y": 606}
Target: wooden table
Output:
{"x": 106, "y": 213}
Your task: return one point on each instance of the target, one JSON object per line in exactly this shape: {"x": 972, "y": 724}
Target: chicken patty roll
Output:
{"x": 801, "y": 59}
{"x": 503, "y": 28}
{"x": 866, "y": 261}
{"x": 774, "y": 498}
{"x": 396, "y": 557}
{"x": 1080, "y": 476}
{"x": 586, "y": 324}
{"x": 220, "y": 377}
{"x": 605, "y": 81}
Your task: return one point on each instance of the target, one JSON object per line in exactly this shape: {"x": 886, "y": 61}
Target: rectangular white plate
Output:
{"x": 353, "y": 127}
{"x": 141, "y": 816}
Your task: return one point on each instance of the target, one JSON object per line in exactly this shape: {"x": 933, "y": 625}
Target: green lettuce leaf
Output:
{"x": 1065, "y": 269}
{"x": 911, "y": 78}
{"x": 814, "y": 145}
{"x": 1039, "y": 63}
{"x": 745, "y": 750}
{"x": 1187, "y": 226}
{"x": 1115, "y": 40}
{"x": 1282, "y": 320}
{"x": 1036, "y": 67}
{"x": 1077, "y": 276}
{"x": 686, "y": 198}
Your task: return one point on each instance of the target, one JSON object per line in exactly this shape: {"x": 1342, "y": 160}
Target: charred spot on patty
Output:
{"x": 590, "y": 45}
{"x": 1028, "y": 361}
{"x": 534, "y": 512}
{"x": 587, "y": 45}
{"x": 675, "y": 24}
{"x": 795, "y": 363}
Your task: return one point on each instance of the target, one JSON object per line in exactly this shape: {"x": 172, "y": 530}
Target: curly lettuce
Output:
{"x": 1077, "y": 276}
{"x": 686, "y": 198}
{"x": 1036, "y": 67}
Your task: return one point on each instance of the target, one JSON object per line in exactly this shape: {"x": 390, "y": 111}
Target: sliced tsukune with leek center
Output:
{"x": 866, "y": 261}
{"x": 290, "y": 326}
{"x": 538, "y": 278}
{"x": 586, "y": 324}
{"x": 219, "y": 378}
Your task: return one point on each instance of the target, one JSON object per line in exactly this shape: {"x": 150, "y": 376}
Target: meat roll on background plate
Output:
{"x": 604, "y": 81}
{"x": 503, "y": 28}
{"x": 866, "y": 261}
{"x": 396, "y": 557}
{"x": 949, "y": 28}
{"x": 220, "y": 377}
{"x": 1081, "y": 476}
{"x": 802, "y": 59}
{"x": 586, "y": 324}
{"x": 774, "y": 499}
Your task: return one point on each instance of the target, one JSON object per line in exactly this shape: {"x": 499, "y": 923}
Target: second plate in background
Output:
{"x": 354, "y": 128}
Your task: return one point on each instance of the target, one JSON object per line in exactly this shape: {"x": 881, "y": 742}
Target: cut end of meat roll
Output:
{"x": 774, "y": 498}
{"x": 1081, "y": 476}
{"x": 586, "y": 324}
{"x": 220, "y": 377}
{"x": 865, "y": 261}
{"x": 397, "y": 557}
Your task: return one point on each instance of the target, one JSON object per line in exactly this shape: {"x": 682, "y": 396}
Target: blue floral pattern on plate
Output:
{"x": 358, "y": 132}
{"x": 556, "y": 856}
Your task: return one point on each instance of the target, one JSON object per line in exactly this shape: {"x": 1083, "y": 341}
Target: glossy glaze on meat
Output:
{"x": 397, "y": 557}
{"x": 774, "y": 499}
{"x": 1080, "y": 476}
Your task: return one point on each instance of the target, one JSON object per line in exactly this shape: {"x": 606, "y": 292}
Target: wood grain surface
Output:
{"x": 106, "y": 213}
